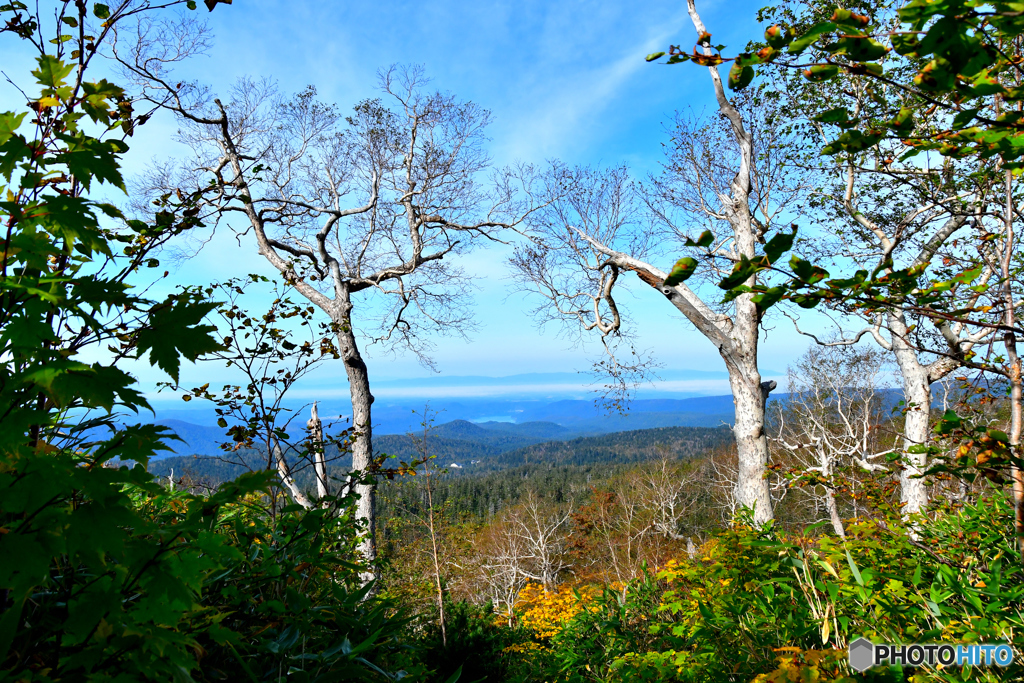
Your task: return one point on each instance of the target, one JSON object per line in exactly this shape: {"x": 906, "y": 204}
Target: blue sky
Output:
{"x": 564, "y": 80}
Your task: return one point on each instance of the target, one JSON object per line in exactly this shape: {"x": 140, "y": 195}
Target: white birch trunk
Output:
{"x": 825, "y": 461}
{"x": 751, "y": 441}
{"x": 285, "y": 473}
{"x": 917, "y": 394}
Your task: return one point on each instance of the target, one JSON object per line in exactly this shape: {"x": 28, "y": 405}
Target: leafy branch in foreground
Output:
{"x": 964, "y": 54}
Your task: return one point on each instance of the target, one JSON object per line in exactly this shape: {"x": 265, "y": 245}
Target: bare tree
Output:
{"x": 917, "y": 238}
{"x": 371, "y": 207}
{"x": 542, "y": 532}
{"x": 422, "y": 445}
{"x": 624, "y": 532}
{"x": 667, "y": 494}
{"x": 831, "y": 418}
{"x": 591, "y": 236}
{"x": 528, "y": 542}
{"x": 497, "y": 568}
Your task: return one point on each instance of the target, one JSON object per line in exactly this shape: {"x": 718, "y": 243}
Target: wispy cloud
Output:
{"x": 564, "y": 115}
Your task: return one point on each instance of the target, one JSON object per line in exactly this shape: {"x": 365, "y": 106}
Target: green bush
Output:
{"x": 479, "y": 645}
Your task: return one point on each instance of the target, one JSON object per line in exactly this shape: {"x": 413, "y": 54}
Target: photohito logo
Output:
{"x": 864, "y": 654}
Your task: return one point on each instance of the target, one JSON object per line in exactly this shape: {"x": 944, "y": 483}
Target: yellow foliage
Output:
{"x": 527, "y": 648}
{"x": 807, "y": 666}
{"x": 546, "y": 612}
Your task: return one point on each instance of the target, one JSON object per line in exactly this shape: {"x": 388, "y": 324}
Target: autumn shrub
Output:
{"x": 544, "y": 612}
{"x": 760, "y": 605}
{"x": 615, "y": 622}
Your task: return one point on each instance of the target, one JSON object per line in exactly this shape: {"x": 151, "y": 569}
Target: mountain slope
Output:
{"x": 618, "y": 447}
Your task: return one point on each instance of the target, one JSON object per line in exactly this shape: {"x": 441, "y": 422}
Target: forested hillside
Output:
{"x": 618, "y": 448}
{"x": 478, "y": 451}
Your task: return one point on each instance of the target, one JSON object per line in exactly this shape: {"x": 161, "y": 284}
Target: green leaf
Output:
{"x": 844, "y": 17}
{"x": 968, "y": 276}
{"x": 859, "y": 48}
{"x": 903, "y": 124}
{"x": 871, "y": 68}
{"x": 964, "y": 117}
{"x": 997, "y": 435}
{"x": 655, "y": 55}
{"x": 854, "y": 141}
{"x": 806, "y": 271}
{"x": 9, "y": 124}
{"x": 89, "y": 158}
{"x": 909, "y": 155}
{"x": 837, "y": 115}
{"x": 51, "y": 72}
{"x": 769, "y": 297}
{"x": 905, "y": 44}
{"x": 779, "y": 244}
{"x": 173, "y": 332}
{"x": 740, "y": 76}
{"x": 101, "y": 11}
{"x": 807, "y": 39}
{"x": 13, "y": 152}
{"x": 949, "y": 422}
{"x": 820, "y": 72}
{"x": 985, "y": 85}
{"x": 853, "y": 569}
{"x": 98, "y": 98}
{"x": 740, "y": 273}
{"x": 776, "y": 37}
{"x": 681, "y": 271}
{"x": 705, "y": 240}
{"x": 95, "y": 386}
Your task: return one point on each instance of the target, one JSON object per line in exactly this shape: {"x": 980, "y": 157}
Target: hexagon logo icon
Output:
{"x": 862, "y": 654}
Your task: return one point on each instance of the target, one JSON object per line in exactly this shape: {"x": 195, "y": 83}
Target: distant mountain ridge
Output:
{"x": 525, "y": 379}
{"x": 527, "y": 423}
{"x": 482, "y": 451}
{"x": 460, "y": 440}
{"x": 546, "y": 420}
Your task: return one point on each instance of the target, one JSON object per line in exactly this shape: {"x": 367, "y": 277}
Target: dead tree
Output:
{"x": 830, "y": 420}
{"x": 542, "y": 532}
{"x": 500, "y": 555}
{"x": 367, "y": 210}
{"x": 316, "y": 439}
{"x": 667, "y": 496}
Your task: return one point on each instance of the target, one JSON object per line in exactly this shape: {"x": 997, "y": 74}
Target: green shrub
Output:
{"x": 479, "y": 645}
